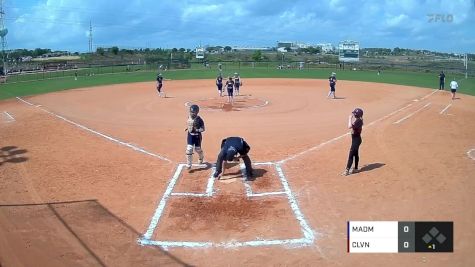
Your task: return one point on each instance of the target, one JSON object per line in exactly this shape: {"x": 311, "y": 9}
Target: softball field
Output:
{"x": 94, "y": 176}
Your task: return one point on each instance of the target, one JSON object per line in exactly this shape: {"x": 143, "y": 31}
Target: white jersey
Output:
{"x": 454, "y": 85}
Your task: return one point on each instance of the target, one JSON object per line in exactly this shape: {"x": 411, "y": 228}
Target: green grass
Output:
{"x": 428, "y": 80}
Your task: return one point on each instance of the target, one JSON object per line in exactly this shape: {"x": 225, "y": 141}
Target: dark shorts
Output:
{"x": 332, "y": 88}
{"x": 194, "y": 140}
{"x": 453, "y": 90}
{"x": 230, "y": 92}
{"x": 159, "y": 87}
{"x": 220, "y": 87}
{"x": 236, "y": 86}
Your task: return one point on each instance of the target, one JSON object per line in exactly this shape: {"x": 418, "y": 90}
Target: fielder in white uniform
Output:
{"x": 453, "y": 88}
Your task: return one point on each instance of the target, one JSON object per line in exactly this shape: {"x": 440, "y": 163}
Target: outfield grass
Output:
{"x": 428, "y": 80}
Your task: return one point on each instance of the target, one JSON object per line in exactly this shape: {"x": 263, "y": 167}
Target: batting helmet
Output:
{"x": 358, "y": 112}
{"x": 194, "y": 110}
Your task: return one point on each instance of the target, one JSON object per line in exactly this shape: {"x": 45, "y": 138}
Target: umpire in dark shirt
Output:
{"x": 441, "y": 80}
{"x": 230, "y": 147}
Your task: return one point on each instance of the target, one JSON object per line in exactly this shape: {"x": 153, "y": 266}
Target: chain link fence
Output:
{"x": 83, "y": 69}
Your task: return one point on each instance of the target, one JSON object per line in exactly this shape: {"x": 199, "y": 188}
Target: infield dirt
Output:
{"x": 69, "y": 197}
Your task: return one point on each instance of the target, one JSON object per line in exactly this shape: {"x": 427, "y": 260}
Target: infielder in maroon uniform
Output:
{"x": 355, "y": 123}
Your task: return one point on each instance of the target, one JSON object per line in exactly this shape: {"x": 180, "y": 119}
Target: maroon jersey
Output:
{"x": 357, "y": 127}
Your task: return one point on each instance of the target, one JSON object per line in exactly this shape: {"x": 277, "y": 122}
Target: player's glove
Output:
{"x": 196, "y": 127}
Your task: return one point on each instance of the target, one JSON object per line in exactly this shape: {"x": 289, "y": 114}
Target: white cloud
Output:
{"x": 195, "y": 11}
{"x": 64, "y": 24}
{"x": 398, "y": 20}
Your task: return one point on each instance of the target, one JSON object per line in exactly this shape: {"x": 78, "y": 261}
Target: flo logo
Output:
{"x": 444, "y": 18}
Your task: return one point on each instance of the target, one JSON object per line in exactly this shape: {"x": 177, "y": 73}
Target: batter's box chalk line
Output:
{"x": 306, "y": 239}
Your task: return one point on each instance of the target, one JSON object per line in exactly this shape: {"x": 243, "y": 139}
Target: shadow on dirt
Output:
{"x": 59, "y": 230}
{"x": 371, "y": 166}
{"x": 11, "y": 154}
{"x": 257, "y": 173}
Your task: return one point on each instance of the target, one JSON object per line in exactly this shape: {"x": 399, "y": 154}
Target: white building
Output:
{"x": 326, "y": 47}
{"x": 251, "y": 48}
{"x": 292, "y": 45}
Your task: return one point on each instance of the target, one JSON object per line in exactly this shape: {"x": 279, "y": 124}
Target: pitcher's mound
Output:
{"x": 220, "y": 103}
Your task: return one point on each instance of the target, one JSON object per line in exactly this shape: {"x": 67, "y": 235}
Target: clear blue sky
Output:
{"x": 64, "y": 24}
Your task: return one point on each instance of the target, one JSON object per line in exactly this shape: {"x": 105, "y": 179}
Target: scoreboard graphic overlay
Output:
{"x": 399, "y": 236}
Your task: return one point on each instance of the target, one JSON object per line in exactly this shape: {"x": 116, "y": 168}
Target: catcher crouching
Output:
{"x": 230, "y": 148}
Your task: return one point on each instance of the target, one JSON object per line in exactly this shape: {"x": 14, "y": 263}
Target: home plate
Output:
{"x": 229, "y": 180}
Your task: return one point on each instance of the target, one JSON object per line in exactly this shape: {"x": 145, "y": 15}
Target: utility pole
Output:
{"x": 90, "y": 37}
{"x": 3, "y": 34}
{"x": 465, "y": 62}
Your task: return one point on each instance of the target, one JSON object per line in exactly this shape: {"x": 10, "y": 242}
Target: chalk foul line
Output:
{"x": 10, "y": 117}
{"x": 343, "y": 135}
{"x": 115, "y": 140}
{"x": 412, "y": 114}
{"x": 445, "y": 109}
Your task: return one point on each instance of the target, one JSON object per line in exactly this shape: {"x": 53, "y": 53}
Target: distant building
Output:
{"x": 326, "y": 47}
{"x": 349, "y": 51}
{"x": 281, "y": 45}
{"x": 284, "y": 44}
{"x": 251, "y": 48}
{"x": 26, "y": 59}
{"x": 301, "y": 45}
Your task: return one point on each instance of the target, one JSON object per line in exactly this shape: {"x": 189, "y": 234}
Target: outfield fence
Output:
{"x": 71, "y": 70}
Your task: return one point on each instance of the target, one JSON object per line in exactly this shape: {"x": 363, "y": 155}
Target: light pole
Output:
{"x": 3, "y": 34}
{"x": 466, "y": 64}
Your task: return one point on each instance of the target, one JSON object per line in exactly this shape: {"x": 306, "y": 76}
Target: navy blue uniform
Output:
{"x": 230, "y": 147}
{"x": 356, "y": 129}
{"x": 159, "y": 83}
{"x": 332, "y": 81}
{"x": 194, "y": 137}
{"x": 237, "y": 83}
{"x": 441, "y": 81}
{"x": 219, "y": 83}
{"x": 230, "y": 87}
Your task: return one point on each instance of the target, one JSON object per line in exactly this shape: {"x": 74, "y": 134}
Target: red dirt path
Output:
{"x": 415, "y": 170}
